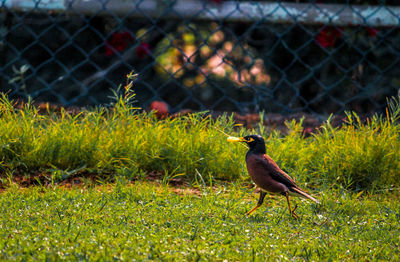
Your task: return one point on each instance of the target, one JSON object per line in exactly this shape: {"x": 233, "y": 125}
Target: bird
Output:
{"x": 267, "y": 175}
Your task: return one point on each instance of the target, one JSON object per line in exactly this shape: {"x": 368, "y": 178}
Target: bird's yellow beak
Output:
{"x": 233, "y": 139}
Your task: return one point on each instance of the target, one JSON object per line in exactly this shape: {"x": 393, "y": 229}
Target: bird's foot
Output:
{"x": 294, "y": 215}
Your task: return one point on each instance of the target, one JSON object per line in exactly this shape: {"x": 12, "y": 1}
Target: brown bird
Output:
{"x": 267, "y": 175}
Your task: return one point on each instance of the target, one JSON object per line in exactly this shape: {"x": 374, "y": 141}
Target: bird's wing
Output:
{"x": 277, "y": 173}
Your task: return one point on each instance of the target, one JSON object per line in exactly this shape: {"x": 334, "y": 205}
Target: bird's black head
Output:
{"x": 255, "y": 142}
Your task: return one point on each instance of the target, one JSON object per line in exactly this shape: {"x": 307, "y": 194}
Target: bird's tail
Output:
{"x": 301, "y": 193}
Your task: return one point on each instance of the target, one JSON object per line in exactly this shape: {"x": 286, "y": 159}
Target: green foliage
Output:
{"x": 121, "y": 141}
{"x": 357, "y": 155}
{"x": 116, "y": 140}
{"x": 147, "y": 222}
{"x": 19, "y": 77}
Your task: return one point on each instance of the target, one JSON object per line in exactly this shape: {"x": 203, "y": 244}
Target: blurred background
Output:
{"x": 316, "y": 57}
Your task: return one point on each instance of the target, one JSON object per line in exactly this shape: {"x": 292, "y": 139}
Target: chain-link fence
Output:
{"x": 244, "y": 56}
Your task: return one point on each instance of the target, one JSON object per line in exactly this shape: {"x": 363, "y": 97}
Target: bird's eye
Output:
{"x": 250, "y": 139}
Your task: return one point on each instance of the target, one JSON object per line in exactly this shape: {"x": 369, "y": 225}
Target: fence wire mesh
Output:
{"x": 243, "y": 56}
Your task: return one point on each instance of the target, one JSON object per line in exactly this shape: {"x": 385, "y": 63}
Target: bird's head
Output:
{"x": 255, "y": 142}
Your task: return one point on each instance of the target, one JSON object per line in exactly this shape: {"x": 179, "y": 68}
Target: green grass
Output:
{"x": 149, "y": 222}
{"x": 357, "y": 156}
{"x": 121, "y": 141}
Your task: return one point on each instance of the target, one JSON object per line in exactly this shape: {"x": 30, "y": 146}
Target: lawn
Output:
{"x": 150, "y": 221}
{"x": 115, "y": 213}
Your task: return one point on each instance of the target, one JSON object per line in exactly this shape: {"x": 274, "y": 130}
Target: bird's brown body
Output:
{"x": 266, "y": 174}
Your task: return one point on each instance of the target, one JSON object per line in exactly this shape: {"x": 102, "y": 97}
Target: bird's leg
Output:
{"x": 259, "y": 203}
{"x": 294, "y": 208}
{"x": 292, "y": 213}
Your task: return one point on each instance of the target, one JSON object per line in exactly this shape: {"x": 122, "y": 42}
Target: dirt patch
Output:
{"x": 38, "y": 178}
{"x": 85, "y": 179}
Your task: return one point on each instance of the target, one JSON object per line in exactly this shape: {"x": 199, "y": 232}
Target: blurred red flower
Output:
{"x": 143, "y": 50}
{"x": 372, "y": 32}
{"x": 118, "y": 42}
{"x": 160, "y": 108}
{"x": 328, "y": 35}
